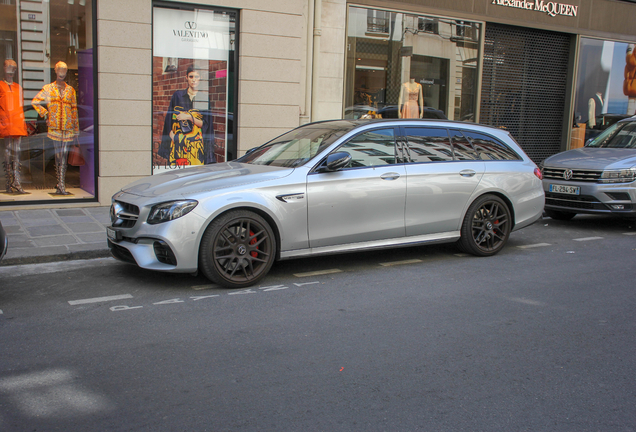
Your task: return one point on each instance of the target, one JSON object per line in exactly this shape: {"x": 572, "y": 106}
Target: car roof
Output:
{"x": 355, "y": 123}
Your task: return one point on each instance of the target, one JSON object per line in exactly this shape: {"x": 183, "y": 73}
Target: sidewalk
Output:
{"x": 55, "y": 234}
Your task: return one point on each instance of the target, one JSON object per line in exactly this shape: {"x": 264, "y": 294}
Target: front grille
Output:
{"x": 618, "y": 196}
{"x": 576, "y": 202}
{"x": 123, "y": 215}
{"x": 577, "y": 174}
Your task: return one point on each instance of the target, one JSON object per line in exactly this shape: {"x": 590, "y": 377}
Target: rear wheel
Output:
{"x": 486, "y": 226}
{"x": 237, "y": 249}
{"x": 559, "y": 215}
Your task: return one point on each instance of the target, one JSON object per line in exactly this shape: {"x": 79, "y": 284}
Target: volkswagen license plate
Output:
{"x": 570, "y": 190}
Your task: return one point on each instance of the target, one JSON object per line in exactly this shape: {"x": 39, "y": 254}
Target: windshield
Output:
{"x": 297, "y": 146}
{"x": 620, "y": 135}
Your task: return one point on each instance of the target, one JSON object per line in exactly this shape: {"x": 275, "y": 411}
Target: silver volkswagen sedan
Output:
{"x": 598, "y": 178}
{"x": 330, "y": 187}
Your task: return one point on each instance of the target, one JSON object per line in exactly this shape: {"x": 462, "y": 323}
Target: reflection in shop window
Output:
{"x": 47, "y": 132}
{"x": 422, "y": 67}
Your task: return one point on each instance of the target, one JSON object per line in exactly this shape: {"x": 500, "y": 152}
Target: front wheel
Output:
{"x": 237, "y": 249}
{"x": 486, "y": 226}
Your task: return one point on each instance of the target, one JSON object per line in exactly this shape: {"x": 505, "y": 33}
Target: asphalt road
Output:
{"x": 541, "y": 337}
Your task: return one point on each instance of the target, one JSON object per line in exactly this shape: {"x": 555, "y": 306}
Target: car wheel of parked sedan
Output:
{"x": 486, "y": 226}
{"x": 559, "y": 215}
{"x": 237, "y": 249}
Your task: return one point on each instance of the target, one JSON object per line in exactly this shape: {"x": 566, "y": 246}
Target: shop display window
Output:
{"x": 605, "y": 88}
{"x": 402, "y": 65}
{"x": 194, "y": 86}
{"x": 47, "y": 118}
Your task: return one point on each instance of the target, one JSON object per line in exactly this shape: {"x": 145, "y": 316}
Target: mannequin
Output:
{"x": 593, "y": 109}
{"x": 61, "y": 119}
{"x": 188, "y": 132}
{"x": 629, "y": 85}
{"x": 12, "y": 126}
{"x": 411, "y": 97}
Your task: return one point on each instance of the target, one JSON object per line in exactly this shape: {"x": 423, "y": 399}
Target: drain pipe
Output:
{"x": 306, "y": 115}
{"x": 317, "y": 32}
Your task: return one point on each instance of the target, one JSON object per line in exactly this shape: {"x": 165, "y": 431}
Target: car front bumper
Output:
{"x": 594, "y": 198}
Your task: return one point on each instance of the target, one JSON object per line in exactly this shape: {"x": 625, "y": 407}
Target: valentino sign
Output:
{"x": 551, "y": 8}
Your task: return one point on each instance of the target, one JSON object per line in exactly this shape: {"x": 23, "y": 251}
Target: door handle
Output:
{"x": 390, "y": 176}
{"x": 467, "y": 173}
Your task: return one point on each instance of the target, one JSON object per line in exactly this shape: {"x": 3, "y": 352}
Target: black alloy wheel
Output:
{"x": 486, "y": 226}
{"x": 237, "y": 249}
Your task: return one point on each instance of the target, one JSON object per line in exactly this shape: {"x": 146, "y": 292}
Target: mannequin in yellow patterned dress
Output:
{"x": 411, "y": 101}
{"x": 61, "y": 118}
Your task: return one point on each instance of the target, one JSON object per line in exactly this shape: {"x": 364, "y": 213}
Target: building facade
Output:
{"x": 113, "y": 91}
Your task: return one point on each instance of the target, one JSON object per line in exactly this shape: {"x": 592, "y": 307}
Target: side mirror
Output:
{"x": 336, "y": 161}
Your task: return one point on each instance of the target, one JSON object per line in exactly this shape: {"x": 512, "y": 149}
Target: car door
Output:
{"x": 365, "y": 200}
{"x": 442, "y": 173}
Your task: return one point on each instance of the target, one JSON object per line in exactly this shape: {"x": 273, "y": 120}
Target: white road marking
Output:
{"x": 99, "y": 299}
{"x": 461, "y": 255}
{"x": 588, "y": 239}
{"x": 630, "y": 233}
{"x": 318, "y": 273}
{"x": 121, "y": 308}
{"x": 195, "y": 298}
{"x": 171, "y": 301}
{"x": 395, "y": 263}
{"x": 534, "y": 245}
{"x": 306, "y": 283}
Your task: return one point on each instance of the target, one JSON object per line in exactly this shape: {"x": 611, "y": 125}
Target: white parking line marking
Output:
{"x": 634, "y": 233}
{"x": 534, "y": 245}
{"x": 588, "y": 238}
{"x": 318, "y": 273}
{"x": 306, "y": 283}
{"x": 99, "y": 299}
{"x": 395, "y": 263}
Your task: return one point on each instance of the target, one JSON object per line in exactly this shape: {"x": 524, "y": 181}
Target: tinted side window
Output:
{"x": 462, "y": 147}
{"x": 371, "y": 148}
{"x": 489, "y": 148}
{"x": 428, "y": 144}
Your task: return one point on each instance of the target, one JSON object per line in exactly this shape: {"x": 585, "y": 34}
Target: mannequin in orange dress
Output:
{"x": 12, "y": 126}
{"x": 411, "y": 101}
{"x": 57, "y": 103}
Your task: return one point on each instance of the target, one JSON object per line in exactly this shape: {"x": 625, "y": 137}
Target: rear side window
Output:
{"x": 488, "y": 148}
{"x": 371, "y": 148}
{"x": 428, "y": 145}
{"x": 462, "y": 146}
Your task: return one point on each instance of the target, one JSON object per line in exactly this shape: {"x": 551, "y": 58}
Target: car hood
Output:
{"x": 188, "y": 181}
{"x": 593, "y": 158}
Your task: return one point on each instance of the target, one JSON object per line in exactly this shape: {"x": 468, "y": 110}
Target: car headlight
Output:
{"x": 618, "y": 176}
{"x": 171, "y": 210}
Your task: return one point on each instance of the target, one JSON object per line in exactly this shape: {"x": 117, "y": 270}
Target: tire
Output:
{"x": 559, "y": 215}
{"x": 237, "y": 249}
{"x": 486, "y": 226}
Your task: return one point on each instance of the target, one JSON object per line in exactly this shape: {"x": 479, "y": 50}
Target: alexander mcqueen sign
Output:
{"x": 551, "y": 8}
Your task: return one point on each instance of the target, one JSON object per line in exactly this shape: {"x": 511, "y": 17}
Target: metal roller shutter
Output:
{"x": 524, "y": 83}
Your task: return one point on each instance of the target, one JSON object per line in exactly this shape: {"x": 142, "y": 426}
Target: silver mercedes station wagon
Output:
{"x": 598, "y": 178}
{"x": 330, "y": 187}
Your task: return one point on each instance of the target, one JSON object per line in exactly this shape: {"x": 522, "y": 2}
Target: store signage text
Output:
{"x": 190, "y": 35}
{"x": 551, "y": 8}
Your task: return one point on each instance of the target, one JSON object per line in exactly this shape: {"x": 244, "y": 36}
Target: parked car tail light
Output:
{"x": 538, "y": 173}
{"x": 618, "y": 176}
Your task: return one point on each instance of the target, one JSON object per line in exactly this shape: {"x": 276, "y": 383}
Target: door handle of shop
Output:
{"x": 467, "y": 173}
{"x": 390, "y": 176}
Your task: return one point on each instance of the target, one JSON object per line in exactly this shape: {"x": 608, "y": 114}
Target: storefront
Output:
{"x": 154, "y": 86}
{"x": 47, "y": 101}
{"x": 535, "y": 69}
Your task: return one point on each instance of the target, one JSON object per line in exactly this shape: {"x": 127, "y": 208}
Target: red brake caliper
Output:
{"x": 253, "y": 242}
